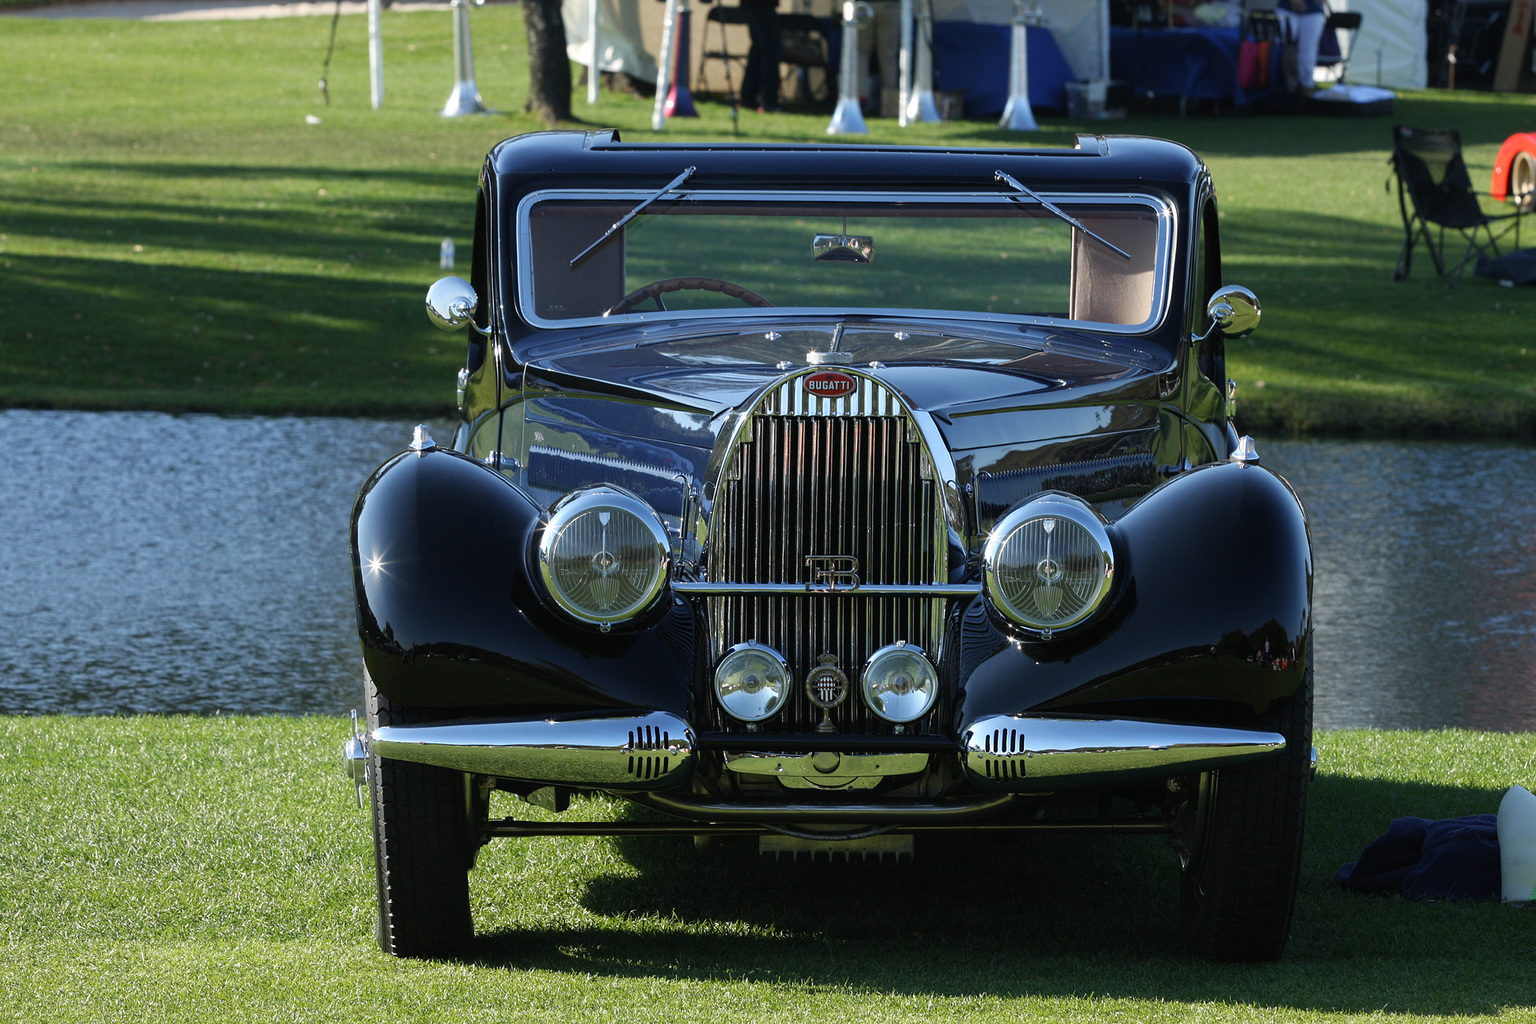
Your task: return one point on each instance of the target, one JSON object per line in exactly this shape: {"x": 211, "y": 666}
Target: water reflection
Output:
{"x": 157, "y": 563}
{"x": 152, "y": 563}
{"x": 1426, "y": 581}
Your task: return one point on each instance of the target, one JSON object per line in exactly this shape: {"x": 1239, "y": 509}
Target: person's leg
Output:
{"x": 770, "y": 68}
{"x": 1288, "y": 31}
{"x": 1309, "y": 34}
{"x": 752, "y": 74}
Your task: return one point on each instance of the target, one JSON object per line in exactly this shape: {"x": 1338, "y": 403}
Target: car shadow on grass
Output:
{"x": 1039, "y": 915}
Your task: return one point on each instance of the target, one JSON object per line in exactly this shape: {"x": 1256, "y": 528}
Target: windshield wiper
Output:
{"x": 632, "y": 214}
{"x": 1014, "y": 183}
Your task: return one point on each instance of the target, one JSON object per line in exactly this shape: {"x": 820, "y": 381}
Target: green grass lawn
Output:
{"x": 175, "y": 234}
{"x": 218, "y": 869}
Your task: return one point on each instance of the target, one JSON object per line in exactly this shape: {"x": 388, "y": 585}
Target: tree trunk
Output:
{"x": 549, "y": 67}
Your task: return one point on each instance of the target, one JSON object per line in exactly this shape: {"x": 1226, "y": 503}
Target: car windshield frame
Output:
{"x": 691, "y": 202}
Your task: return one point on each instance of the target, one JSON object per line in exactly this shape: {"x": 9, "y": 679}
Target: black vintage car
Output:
{"x": 831, "y": 494}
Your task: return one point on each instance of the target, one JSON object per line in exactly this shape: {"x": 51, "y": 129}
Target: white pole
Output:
{"x": 664, "y": 69}
{"x": 920, "y": 104}
{"x": 848, "y": 119}
{"x": 1017, "y": 115}
{"x": 375, "y": 56}
{"x": 904, "y": 64}
{"x": 465, "y": 98}
{"x": 593, "y": 73}
{"x": 1104, "y": 42}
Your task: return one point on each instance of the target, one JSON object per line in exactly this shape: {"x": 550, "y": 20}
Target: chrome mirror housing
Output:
{"x": 1234, "y": 310}
{"x": 451, "y": 304}
{"x": 842, "y": 248}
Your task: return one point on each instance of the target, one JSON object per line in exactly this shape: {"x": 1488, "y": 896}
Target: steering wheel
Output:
{"x": 656, "y": 289}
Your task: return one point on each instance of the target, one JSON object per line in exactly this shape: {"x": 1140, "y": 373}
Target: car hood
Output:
{"x": 946, "y": 373}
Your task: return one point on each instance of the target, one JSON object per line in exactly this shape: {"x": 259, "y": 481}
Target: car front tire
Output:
{"x": 1242, "y": 858}
{"x": 424, "y": 846}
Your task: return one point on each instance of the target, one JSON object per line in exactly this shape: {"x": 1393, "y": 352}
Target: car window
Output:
{"x": 999, "y": 256}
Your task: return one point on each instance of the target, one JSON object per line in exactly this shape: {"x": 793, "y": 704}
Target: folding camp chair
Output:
{"x": 1435, "y": 197}
{"x": 804, "y": 48}
{"x": 1339, "y": 34}
{"x": 720, "y": 16}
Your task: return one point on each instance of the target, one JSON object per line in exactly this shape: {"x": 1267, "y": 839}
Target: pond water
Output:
{"x": 154, "y": 563}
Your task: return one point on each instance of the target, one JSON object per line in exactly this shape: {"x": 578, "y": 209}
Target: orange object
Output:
{"x": 1514, "y": 171}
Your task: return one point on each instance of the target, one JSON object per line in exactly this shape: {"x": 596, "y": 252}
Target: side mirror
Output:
{"x": 451, "y": 304}
{"x": 1234, "y": 311}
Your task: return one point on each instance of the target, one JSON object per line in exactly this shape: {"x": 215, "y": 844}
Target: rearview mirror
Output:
{"x": 842, "y": 248}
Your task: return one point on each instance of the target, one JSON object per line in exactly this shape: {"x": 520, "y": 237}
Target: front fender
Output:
{"x": 450, "y": 616}
{"x": 1211, "y": 615}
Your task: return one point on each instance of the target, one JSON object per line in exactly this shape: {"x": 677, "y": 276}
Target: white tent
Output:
{"x": 620, "y": 37}
{"x": 1390, "y": 51}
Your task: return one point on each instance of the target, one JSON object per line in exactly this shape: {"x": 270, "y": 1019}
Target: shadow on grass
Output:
{"x": 1041, "y": 915}
{"x": 101, "y": 333}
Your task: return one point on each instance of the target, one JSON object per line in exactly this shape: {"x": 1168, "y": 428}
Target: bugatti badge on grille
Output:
{"x": 827, "y": 687}
{"x": 831, "y": 572}
{"x": 829, "y": 384}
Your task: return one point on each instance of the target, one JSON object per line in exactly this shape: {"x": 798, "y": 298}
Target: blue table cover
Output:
{"x": 972, "y": 58}
{"x": 1195, "y": 63}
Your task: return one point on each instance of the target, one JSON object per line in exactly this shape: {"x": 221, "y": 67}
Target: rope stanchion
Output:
{"x": 848, "y": 119}
{"x": 375, "y": 56}
{"x": 594, "y": 71}
{"x": 664, "y": 65}
{"x": 330, "y": 50}
{"x": 465, "y": 98}
{"x": 679, "y": 98}
{"x": 920, "y": 103}
{"x": 1018, "y": 116}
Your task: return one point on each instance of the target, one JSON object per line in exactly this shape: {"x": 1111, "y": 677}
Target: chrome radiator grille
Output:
{"x": 807, "y": 493}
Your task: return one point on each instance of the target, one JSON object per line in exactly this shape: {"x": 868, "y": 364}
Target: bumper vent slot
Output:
{"x": 1004, "y": 750}
{"x": 649, "y": 753}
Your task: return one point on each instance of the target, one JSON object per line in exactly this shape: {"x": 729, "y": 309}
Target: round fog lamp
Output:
{"x": 900, "y": 683}
{"x": 752, "y": 682}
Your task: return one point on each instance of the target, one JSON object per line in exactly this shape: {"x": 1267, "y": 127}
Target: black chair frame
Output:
{"x": 805, "y": 47}
{"x": 1439, "y": 205}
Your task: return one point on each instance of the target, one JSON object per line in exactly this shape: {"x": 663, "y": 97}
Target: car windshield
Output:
{"x": 1004, "y": 257}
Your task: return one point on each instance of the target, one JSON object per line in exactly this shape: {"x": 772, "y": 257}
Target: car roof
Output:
{"x": 600, "y": 159}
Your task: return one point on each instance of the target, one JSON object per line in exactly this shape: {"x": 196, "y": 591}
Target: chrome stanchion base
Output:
{"x": 1018, "y": 116}
{"x": 847, "y": 119}
{"x": 465, "y": 99}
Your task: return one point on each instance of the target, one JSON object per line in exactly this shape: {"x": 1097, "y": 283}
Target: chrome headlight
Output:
{"x": 899, "y": 683}
{"x": 603, "y": 556}
{"x": 1048, "y": 564}
{"x": 752, "y": 682}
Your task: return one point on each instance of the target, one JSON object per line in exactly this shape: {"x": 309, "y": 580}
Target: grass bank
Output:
{"x": 176, "y": 233}
{"x": 217, "y": 869}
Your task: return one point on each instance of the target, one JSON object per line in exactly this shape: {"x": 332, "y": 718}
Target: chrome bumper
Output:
{"x": 655, "y": 750}
{"x": 1020, "y": 754}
